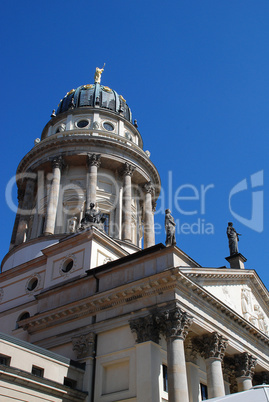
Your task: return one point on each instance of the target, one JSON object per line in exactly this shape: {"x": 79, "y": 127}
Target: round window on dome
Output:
{"x": 32, "y": 284}
{"x": 82, "y": 123}
{"x": 68, "y": 265}
{"x": 108, "y": 126}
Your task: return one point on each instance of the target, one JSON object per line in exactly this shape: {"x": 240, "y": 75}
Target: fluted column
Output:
{"x": 244, "y": 370}
{"x": 84, "y": 346}
{"x": 25, "y": 208}
{"x": 212, "y": 348}
{"x": 148, "y": 358}
{"x": 174, "y": 324}
{"x": 149, "y": 233}
{"x": 53, "y": 198}
{"x": 127, "y": 202}
{"x": 94, "y": 162}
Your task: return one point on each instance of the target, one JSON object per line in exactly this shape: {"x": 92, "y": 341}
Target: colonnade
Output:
{"x": 183, "y": 371}
{"x": 93, "y": 163}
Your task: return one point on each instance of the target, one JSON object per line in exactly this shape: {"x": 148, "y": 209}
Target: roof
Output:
{"x": 95, "y": 95}
{"x": 260, "y": 393}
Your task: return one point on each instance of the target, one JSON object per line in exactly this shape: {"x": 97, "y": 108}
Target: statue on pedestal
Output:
{"x": 233, "y": 238}
{"x": 170, "y": 228}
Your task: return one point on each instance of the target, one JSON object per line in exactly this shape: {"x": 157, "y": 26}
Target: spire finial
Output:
{"x": 97, "y": 75}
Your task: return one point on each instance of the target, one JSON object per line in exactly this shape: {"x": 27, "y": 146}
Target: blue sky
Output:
{"x": 195, "y": 74}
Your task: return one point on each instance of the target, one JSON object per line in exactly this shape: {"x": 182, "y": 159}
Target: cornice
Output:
{"x": 228, "y": 273}
{"x": 73, "y": 137}
{"x": 86, "y": 235}
{"x": 170, "y": 279}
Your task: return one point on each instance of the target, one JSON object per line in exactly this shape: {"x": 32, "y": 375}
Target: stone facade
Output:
{"x": 140, "y": 324}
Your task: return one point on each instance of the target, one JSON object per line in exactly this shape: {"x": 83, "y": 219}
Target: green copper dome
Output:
{"x": 97, "y": 96}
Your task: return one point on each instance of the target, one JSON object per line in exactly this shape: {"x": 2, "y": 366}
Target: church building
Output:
{"x": 91, "y": 308}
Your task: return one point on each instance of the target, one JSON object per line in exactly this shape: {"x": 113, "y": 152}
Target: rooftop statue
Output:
{"x": 233, "y": 238}
{"x": 170, "y": 228}
{"x": 98, "y": 73}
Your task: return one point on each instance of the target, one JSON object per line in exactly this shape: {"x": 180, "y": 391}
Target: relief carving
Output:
{"x": 174, "y": 323}
{"x": 244, "y": 365}
{"x": 212, "y": 345}
{"x": 84, "y": 345}
{"x": 146, "y": 329}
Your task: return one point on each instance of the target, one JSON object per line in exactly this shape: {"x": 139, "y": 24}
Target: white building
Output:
{"x": 86, "y": 313}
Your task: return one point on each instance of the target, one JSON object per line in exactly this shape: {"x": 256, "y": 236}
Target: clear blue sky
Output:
{"x": 196, "y": 76}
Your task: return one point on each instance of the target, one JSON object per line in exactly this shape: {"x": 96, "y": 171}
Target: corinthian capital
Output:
{"x": 212, "y": 345}
{"x": 244, "y": 365}
{"x": 174, "y": 322}
{"x": 84, "y": 345}
{"x": 146, "y": 329}
{"x": 149, "y": 188}
{"x": 128, "y": 169}
{"x": 58, "y": 162}
{"x": 94, "y": 160}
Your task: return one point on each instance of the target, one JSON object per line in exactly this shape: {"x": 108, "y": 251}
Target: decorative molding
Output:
{"x": 84, "y": 345}
{"x": 68, "y": 257}
{"x": 245, "y": 365}
{"x": 38, "y": 277}
{"x": 212, "y": 345}
{"x": 146, "y": 329}
{"x": 95, "y": 125}
{"x": 94, "y": 160}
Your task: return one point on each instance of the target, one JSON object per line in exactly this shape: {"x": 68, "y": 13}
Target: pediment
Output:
{"x": 240, "y": 290}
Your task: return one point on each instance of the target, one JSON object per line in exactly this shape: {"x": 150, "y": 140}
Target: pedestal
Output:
{"x": 236, "y": 261}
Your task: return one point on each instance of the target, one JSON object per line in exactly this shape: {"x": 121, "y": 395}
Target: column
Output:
{"x": 127, "y": 202}
{"x": 193, "y": 374}
{"x": 17, "y": 219}
{"x": 244, "y": 370}
{"x": 174, "y": 324}
{"x": 148, "y": 359}
{"x": 93, "y": 162}
{"x": 85, "y": 345}
{"x": 212, "y": 348}
{"x": 53, "y": 198}
{"x": 149, "y": 233}
{"x": 26, "y": 210}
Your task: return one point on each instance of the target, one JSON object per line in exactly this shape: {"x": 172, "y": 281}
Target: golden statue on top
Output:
{"x": 98, "y": 73}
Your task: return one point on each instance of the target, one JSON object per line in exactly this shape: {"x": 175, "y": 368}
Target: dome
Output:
{"x": 97, "y": 96}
